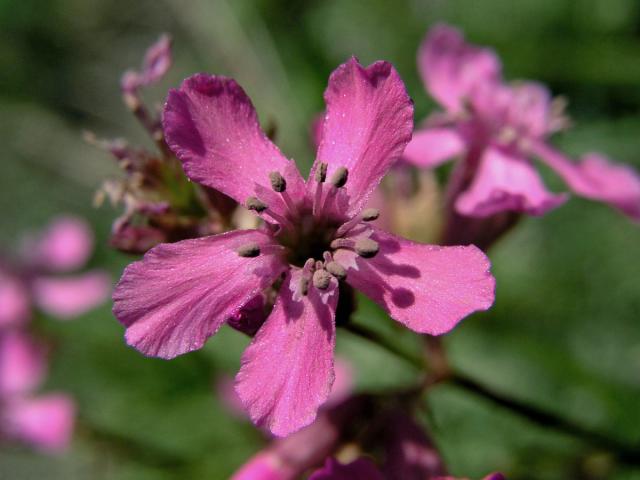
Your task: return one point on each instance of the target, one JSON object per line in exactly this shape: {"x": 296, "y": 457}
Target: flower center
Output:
{"x": 313, "y": 228}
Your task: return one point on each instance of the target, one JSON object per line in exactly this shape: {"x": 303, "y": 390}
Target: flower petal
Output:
{"x": 45, "y": 422}
{"x": 506, "y": 182}
{"x": 427, "y": 288}
{"x": 65, "y": 245}
{"x": 287, "y": 371}
{"x": 367, "y": 125}
{"x": 451, "y": 68}
{"x": 433, "y": 146}
{"x": 14, "y": 300}
{"x": 597, "y": 178}
{"x": 179, "y": 294}
{"x": 22, "y": 364}
{"x": 359, "y": 469}
{"x": 70, "y": 297}
{"x": 522, "y": 110}
{"x": 211, "y": 125}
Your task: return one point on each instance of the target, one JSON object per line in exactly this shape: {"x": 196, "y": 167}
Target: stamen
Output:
{"x": 342, "y": 243}
{"x": 367, "y": 215}
{"x": 278, "y": 183}
{"x": 304, "y": 285}
{"x": 308, "y": 266}
{"x": 370, "y": 214}
{"x": 339, "y": 177}
{"x": 305, "y": 278}
{"x": 321, "y": 173}
{"x": 367, "y": 248}
{"x": 320, "y": 177}
{"x": 257, "y": 205}
{"x": 337, "y": 270}
{"x": 321, "y": 279}
{"x": 250, "y": 250}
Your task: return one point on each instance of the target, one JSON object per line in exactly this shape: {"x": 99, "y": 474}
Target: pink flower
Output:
{"x": 498, "y": 128}
{"x": 44, "y": 421}
{"x": 360, "y": 469}
{"x": 14, "y": 299}
{"x": 65, "y": 245}
{"x": 316, "y": 235}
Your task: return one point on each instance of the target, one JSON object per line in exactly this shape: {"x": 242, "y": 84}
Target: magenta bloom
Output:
{"x": 44, "y": 421}
{"x": 316, "y": 235}
{"x": 498, "y": 128}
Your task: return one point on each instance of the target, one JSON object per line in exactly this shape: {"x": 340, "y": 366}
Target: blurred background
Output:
{"x": 564, "y": 334}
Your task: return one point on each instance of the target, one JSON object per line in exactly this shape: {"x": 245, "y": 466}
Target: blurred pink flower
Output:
{"x": 498, "y": 128}
{"x": 36, "y": 279}
{"x": 43, "y": 421}
{"x": 22, "y": 363}
{"x": 360, "y": 469}
{"x": 316, "y": 235}
{"x": 69, "y": 297}
{"x": 263, "y": 466}
{"x": 14, "y": 299}
{"x": 65, "y": 245}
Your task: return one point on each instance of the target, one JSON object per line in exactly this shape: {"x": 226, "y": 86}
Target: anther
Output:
{"x": 278, "y": 183}
{"x": 342, "y": 243}
{"x": 370, "y": 214}
{"x": 339, "y": 177}
{"x": 366, "y": 248}
{"x": 304, "y": 285}
{"x": 337, "y": 270}
{"x": 321, "y": 173}
{"x": 254, "y": 204}
{"x": 321, "y": 279}
{"x": 249, "y": 250}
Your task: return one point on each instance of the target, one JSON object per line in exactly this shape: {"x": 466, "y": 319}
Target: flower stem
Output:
{"x": 381, "y": 341}
{"x": 624, "y": 453}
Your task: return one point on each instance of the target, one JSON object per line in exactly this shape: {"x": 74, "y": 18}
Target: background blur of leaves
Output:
{"x": 565, "y": 331}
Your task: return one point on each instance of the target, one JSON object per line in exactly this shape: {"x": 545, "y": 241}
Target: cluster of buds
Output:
{"x": 33, "y": 278}
{"x": 160, "y": 204}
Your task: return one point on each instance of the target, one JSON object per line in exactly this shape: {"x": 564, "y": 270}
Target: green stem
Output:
{"x": 375, "y": 337}
{"x": 625, "y": 453}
